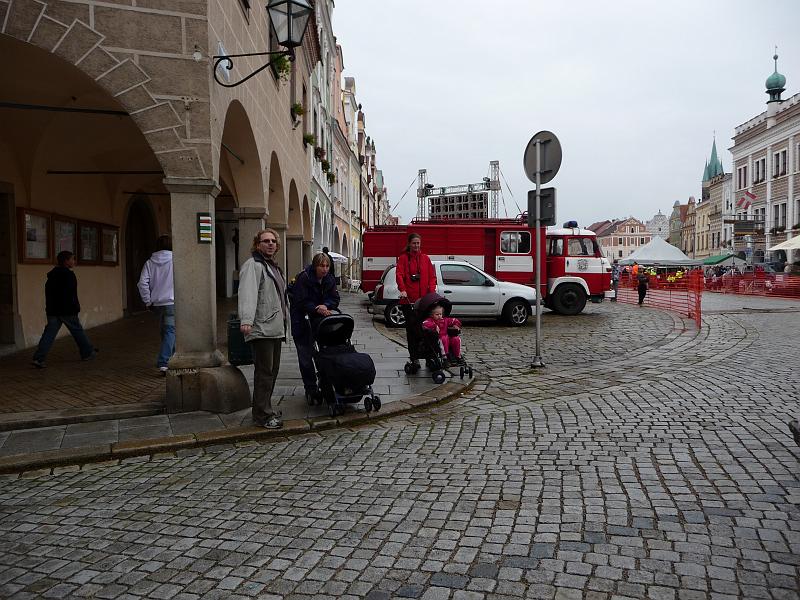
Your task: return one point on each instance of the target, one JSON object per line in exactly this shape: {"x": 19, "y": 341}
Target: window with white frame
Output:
{"x": 741, "y": 177}
{"x": 779, "y": 163}
{"x": 760, "y": 170}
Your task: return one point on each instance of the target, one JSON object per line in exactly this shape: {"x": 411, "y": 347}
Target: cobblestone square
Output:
{"x": 649, "y": 459}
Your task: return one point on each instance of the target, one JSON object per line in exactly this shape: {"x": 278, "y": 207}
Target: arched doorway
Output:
{"x": 140, "y": 243}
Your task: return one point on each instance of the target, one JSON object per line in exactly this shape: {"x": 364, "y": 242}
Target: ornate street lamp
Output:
{"x": 288, "y": 21}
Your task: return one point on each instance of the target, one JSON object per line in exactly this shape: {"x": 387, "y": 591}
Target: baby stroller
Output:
{"x": 344, "y": 375}
{"x": 424, "y": 344}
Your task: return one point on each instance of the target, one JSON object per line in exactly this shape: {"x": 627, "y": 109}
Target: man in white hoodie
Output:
{"x": 157, "y": 290}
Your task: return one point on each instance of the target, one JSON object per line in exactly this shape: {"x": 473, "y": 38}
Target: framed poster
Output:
{"x": 88, "y": 243}
{"x": 109, "y": 243}
{"x": 65, "y": 232}
{"x": 33, "y": 233}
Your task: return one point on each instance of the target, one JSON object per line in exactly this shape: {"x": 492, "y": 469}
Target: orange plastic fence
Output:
{"x": 781, "y": 285}
{"x": 683, "y": 295}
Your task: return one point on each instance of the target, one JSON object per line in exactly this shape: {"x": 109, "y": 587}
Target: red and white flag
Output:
{"x": 747, "y": 202}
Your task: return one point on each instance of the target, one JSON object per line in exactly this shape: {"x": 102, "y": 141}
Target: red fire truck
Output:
{"x": 572, "y": 267}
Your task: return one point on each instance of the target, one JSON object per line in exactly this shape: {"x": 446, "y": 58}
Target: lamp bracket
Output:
{"x": 228, "y": 58}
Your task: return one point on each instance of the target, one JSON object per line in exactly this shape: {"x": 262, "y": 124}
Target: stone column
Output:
{"x": 251, "y": 221}
{"x": 294, "y": 255}
{"x": 197, "y": 379}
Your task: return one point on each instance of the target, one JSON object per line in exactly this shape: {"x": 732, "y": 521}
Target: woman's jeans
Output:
{"x": 73, "y": 323}
{"x": 166, "y": 316}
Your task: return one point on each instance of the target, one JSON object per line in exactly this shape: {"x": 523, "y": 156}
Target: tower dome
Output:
{"x": 776, "y": 83}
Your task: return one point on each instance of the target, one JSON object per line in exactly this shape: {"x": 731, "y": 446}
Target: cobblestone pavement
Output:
{"x": 649, "y": 460}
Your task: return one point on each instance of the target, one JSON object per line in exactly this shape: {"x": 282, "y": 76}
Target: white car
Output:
{"x": 472, "y": 293}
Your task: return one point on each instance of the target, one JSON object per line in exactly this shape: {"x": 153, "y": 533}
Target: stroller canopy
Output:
{"x": 425, "y": 304}
{"x": 334, "y": 330}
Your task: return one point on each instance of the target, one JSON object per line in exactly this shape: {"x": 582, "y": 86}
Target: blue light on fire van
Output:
{"x": 570, "y": 225}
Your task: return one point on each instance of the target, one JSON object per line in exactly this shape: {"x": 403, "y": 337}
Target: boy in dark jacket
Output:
{"x": 314, "y": 294}
{"x": 62, "y": 308}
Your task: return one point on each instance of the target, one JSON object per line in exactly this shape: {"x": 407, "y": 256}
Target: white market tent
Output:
{"x": 659, "y": 253}
{"x": 790, "y": 244}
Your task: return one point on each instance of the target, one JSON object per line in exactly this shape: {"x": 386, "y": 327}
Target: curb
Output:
{"x": 113, "y": 453}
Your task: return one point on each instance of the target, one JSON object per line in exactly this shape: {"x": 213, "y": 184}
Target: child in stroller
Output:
{"x": 434, "y": 310}
{"x": 447, "y": 331}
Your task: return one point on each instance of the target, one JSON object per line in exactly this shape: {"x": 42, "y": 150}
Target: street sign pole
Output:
{"x": 537, "y": 358}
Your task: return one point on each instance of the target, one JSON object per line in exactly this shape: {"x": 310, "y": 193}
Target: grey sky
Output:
{"x": 633, "y": 89}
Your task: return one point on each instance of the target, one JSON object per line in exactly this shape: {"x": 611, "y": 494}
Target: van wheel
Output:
{"x": 515, "y": 313}
{"x": 569, "y": 299}
{"x": 394, "y": 315}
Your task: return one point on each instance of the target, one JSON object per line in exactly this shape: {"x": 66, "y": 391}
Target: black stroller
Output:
{"x": 424, "y": 344}
{"x": 344, "y": 375}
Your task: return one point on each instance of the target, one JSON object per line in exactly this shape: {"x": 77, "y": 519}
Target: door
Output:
{"x": 6, "y": 269}
{"x": 470, "y": 291}
{"x": 514, "y": 261}
{"x": 140, "y": 243}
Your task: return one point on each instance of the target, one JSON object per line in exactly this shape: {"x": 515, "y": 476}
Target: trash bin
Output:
{"x": 239, "y": 351}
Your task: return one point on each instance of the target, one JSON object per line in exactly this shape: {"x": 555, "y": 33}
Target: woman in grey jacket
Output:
{"x": 263, "y": 312}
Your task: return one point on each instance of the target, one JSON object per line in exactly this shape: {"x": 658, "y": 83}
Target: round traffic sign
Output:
{"x": 550, "y": 157}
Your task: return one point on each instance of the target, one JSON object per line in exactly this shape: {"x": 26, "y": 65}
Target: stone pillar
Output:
{"x": 294, "y": 255}
{"x": 197, "y": 379}
{"x": 251, "y": 221}
{"x": 308, "y": 253}
{"x": 280, "y": 258}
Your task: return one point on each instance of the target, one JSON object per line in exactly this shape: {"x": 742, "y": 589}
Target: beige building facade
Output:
{"x": 114, "y": 132}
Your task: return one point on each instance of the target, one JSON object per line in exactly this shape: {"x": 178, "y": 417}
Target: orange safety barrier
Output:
{"x": 759, "y": 283}
{"x": 679, "y": 294}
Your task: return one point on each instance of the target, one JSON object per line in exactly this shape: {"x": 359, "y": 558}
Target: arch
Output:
{"x": 240, "y": 166}
{"x": 319, "y": 240}
{"x": 123, "y": 82}
{"x": 294, "y": 233}
{"x": 307, "y": 233}
{"x": 276, "y": 203}
{"x": 336, "y": 241}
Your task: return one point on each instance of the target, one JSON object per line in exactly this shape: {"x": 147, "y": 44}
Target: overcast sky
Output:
{"x": 633, "y": 89}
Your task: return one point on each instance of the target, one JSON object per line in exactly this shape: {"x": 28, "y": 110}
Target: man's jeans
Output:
{"x": 167, "y": 317}
{"x": 54, "y": 323}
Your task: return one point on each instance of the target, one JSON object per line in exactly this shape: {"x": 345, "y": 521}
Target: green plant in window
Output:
{"x": 309, "y": 139}
{"x": 298, "y": 110}
{"x": 326, "y": 166}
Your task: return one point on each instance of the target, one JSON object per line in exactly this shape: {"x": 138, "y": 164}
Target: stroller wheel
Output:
{"x": 439, "y": 377}
{"x": 411, "y": 368}
{"x": 376, "y": 403}
{"x": 367, "y": 404}
{"x": 461, "y": 372}
{"x": 469, "y": 370}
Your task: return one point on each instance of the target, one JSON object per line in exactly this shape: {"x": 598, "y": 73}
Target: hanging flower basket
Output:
{"x": 309, "y": 139}
{"x": 319, "y": 152}
{"x": 326, "y": 166}
{"x": 298, "y": 110}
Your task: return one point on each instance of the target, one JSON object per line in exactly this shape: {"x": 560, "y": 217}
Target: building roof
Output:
{"x": 713, "y": 165}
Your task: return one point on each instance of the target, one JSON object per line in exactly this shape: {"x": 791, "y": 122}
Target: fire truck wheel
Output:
{"x": 516, "y": 312}
{"x": 394, "y": 315}
{"x": 569, "y": 299}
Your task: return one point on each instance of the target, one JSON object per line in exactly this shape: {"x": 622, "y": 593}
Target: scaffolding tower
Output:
{"x": 472, "y": 200}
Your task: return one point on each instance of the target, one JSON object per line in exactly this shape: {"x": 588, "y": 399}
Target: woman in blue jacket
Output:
{"x": 314, "y": 294}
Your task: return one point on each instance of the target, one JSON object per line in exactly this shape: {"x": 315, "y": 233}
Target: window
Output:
{"x": 620, "y": 253}
{"x": 741, "y": 177}
{"x": 641, "y": 241}
{"x": 760, "y": 170}
{"x": 779, "y": 163}
{"x": 581, "y": 247}
{"x": 555, "y": 247}
{"x": 461, "y": 275}
{"x": 515, "y": 242}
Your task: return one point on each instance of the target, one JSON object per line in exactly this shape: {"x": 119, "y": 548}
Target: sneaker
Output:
{"x": 273, "y": 423}
{"x": 91, "y": 356}
{"x": 39, "y": 364}
{"x": 163, "y": 370}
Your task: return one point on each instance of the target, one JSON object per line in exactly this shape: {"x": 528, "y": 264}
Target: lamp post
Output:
{"x": 288, "y": 20}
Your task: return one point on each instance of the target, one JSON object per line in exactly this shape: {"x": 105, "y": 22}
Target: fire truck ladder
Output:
{"x": 426, "y": 190}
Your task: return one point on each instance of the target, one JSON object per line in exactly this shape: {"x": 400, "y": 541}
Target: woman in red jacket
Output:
{"x": 415, "y": 277}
